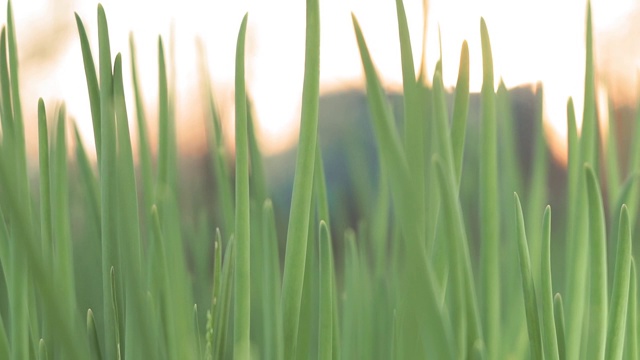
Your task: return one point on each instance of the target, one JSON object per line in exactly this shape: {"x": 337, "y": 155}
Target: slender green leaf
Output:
{"x": 460, "y": 111}
{"x": 620, "y": 294}
{"x": 597, "y": 269}
{"x": 528, "y": 288}
{"x": 489, "y": 214}
{"x": 548, "y": 323}
{"x": 241, "y": 323}
{"x": 326, "y": 295}
{"x": 558, "y": 315}
{"x": 631, "y": 337}
{"x": 92, "y": 335}
{"x": 302, "y": 186}
{"x": 92, "y": 86}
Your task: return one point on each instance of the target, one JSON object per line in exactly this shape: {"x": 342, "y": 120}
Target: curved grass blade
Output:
{"x": 196, "y": 326}
{"x": 548, "y": 323}
{"x": 631, "y": 337}
{"x": 46, "y": 225}
{"x": 577, "y": 254}
{"x": 220, "y": 334}
{"x": 558, "y": 316}
{"x": 108, "y": 183}
{"x": 620, "y": 294}
{"x": 528, "y": 288}
{"x": 414, "y": 125}
{"x": 460, "y": 112}
{"x": 589, "y": 135}
{"x": 326, "y": 295}
{"x": 92, "y": 334}
{"x": 42, "y": 350}
{"x": 139, "y": 343}
{"x": 303, "y": 182}
{"x": 490, "y": 219}
{"x": 597, "y": 268}
{"x": 92, "y": 86}
{"x": 242, "y": 306}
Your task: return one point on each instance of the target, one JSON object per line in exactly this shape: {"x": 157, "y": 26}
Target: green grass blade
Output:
{"x": 631, "y": 337}
{"x": 589, "y": 138}
{"x": 326, "y": 295}
{"x": 620, "y": 294}
{"x": 548, "y": 323}
{"x": 558, "y": 316}
{"x": 241, "y": 323}
{"x": 611, "y": 157}
{"x": 490, "y": 219}
{"x": 414, "y": 124}
{"x": 528, "y": 288}
{"x": 271, "y": 277}
{"x": 131, "y": 251}
{"x": 92, "y": 85}
{"x": 257, "y": 181}
{"x": 46, "y": 225}
{"x": 42, "y": 350}
{"x": 537, "y": 191}
{"x": 5, "y": 348}
{"x": 460, "y": 111}
{"x": 196, "y": 326}
{"x": 221, "y": 330}
{"x": 303, "y": 182}
{"x": 92, "y": 334}
{"x": 597, "y": 269}
{"x": 108, "y": 183}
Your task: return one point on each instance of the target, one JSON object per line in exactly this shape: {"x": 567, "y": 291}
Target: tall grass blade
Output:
{"x": 460, "y": 112}
{"x": 271, "y": 277}
{"x": 597, "y": 269}
{"x": 42, "y": 350}
{"x": 631, "y": 336}
{"x": 92, "y": 86}
{"x": 414, "y": 124}
{"x": 489, "y": 214}
{"x": 303, "y": 182}
{"x": 326, "y": 295}
{"x": 548, "y": 324}
{"x": 221, "y": 331}
{"x": 558, "y": 316}
{"x": 620, "y": 294}
{"x": 242, "y": 306}
{"x": 528, "y": 288}
{"x": 92, "y": 335}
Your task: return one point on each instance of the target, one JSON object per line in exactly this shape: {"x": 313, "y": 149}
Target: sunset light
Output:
{"x": 532, "y": 41}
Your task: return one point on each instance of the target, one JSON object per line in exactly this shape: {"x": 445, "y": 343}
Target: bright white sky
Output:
{"x": 532, "y": 41}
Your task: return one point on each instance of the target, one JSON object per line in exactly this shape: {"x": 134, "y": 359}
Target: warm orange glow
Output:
{"x": 532, "y": 41}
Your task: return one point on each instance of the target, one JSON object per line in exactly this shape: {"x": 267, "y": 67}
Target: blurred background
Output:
{"x": 532, "y": 41}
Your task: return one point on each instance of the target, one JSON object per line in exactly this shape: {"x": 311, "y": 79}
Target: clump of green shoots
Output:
{"x": 137, "y": 281}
